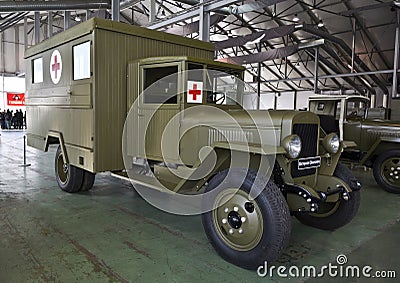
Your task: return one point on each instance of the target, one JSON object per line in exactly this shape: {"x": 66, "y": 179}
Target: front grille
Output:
{"x": 308, "y": 134}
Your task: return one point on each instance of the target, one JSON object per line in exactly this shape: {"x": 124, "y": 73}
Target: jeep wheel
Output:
{"x": 387, "y": 171}
{"x": 245, "y": 231}
{"x": 69, "y": 177}
{"x": 331, "y": 216}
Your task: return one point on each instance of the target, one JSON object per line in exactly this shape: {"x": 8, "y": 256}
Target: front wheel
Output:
{"x": 246, "y": 231}
{"x": 333, "y": 215}
{"x": 387, "y": 171}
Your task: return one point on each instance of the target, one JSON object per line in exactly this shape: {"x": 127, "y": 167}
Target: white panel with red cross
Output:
{"x": 194, "y": 92}
{"x": 55, "y": 66}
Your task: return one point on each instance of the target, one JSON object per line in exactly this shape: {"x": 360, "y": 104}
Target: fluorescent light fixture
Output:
{"x": 296, "y": 18}
{"x": 257, "y": 40}
{"x": 311, "y": 44}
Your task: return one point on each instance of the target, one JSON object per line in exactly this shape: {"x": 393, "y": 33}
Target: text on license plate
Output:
{"x": 309, "y": 162}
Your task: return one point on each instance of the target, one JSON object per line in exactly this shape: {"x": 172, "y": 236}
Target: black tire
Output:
{"x": 268, "y": 224}
{"x": 88, "y": 181}
{"x": 69, "y": 177}
{"x": 387, "y": 171}
{"x": 332, "y": 216}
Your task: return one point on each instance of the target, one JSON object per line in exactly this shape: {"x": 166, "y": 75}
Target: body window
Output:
{"x": 37, "y": 70}
{"x": 160, "y": 85}
{"x": 81, "y": 54}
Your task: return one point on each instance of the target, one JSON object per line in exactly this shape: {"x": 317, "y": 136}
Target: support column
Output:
{"x": 353, "y": 46}
{"x": 395, "y": 62}
{"x": 26, "y": 32}
{"x": 50, "y": 24}
{"x": 37, "y": 27}
{"x": 16, "y": 34}
{"x": 373, "y": 101}
{"x": 258, "y": 79}
{"x": 115, "y": 10}
{"x": 204, "y": 23}
{"x": 67, "y": 20}
{"x": 153, "y": 11}
{"x": 316, "y": 62}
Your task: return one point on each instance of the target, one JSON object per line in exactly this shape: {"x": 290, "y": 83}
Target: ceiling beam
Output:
{"x": 191, "y": 13}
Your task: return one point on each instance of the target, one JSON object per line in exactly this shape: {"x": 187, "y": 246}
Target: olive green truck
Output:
{"x": 156, "y": 109}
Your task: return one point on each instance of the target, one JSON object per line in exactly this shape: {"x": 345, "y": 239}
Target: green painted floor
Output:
{"x": 111, "y": 234}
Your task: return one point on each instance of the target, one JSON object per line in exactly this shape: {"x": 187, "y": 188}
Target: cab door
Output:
{"x": 158, "y": 111}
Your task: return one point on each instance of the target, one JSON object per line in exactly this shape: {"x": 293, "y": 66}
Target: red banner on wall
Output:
{"x": 15, "y": 99}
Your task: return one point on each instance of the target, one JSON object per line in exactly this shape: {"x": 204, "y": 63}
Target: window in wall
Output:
{"x": 160, "y": 85}
{"x": 81, "y": 62}
{"x": 37, "y": 70}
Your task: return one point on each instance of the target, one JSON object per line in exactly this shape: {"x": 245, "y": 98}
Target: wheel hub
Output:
{"x": 65, "y": 168}
{"x": 395, "y": 172}
{"x": 234, "y": 220}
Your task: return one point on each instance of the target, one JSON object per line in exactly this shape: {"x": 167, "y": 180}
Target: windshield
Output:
{"x": 221, "y": 87}
{"x": 355, "y": 109}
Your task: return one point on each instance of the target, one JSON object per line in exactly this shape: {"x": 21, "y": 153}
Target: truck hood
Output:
{"x": 251, "y": 118}
{"x": 382, "y": 128}
{"x": 383, "y": 123}
{"x": 272, "y": 125}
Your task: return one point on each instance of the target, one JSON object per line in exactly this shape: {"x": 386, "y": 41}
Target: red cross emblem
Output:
{"x": 195, "y": 92}
{"x": 56, "y": 66}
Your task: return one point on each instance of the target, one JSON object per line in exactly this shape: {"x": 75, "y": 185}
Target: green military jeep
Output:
{"x": 376, "y": 140}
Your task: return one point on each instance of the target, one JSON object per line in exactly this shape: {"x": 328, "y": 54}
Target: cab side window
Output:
{"x": 160, "y": 85}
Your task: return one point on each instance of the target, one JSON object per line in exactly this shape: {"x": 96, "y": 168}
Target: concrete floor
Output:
{"x": 110, "y": 234}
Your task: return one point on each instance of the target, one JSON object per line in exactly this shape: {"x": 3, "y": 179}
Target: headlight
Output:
{"x": 331, "y": 143}
{"x": 292, "y": 145}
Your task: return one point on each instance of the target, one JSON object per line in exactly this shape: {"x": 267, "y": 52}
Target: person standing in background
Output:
{"x": 7, "y": 119}
{"x": 2, "y": 122}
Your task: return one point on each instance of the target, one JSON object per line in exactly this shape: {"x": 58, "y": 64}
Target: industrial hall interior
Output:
{"x": 199, "y": 141}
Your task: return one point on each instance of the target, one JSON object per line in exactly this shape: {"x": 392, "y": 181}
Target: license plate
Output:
{"x": 309, "y": 163}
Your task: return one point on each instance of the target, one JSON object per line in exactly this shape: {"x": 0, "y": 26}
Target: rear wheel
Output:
{"x": 88, "y": 181}
{"x": 246, "y": 231}
{"x": 69, "y": 177}
{"x": 387, "y": 171}
{"x": 333, "y": 215}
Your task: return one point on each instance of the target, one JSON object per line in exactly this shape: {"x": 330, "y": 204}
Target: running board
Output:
{"x": 141, "y": 180}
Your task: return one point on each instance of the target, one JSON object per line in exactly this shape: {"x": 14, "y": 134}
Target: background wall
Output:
{"x": 10, "y": 84}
